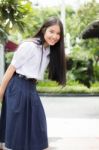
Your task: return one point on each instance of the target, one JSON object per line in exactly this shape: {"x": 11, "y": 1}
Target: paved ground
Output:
{"x": 74, "y": 144}
{"x": 71, "y": 107}
{"x": 73, "y": 134}
{"x": 73, "y": 123}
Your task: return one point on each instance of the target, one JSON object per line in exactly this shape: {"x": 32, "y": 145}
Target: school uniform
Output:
{"x": 23, "y": 121}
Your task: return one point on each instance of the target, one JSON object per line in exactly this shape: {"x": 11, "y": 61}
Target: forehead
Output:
{"x": 55, "y": 27}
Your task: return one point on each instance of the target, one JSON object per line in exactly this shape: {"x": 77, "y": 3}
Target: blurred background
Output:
{"x": 20, "y": 19}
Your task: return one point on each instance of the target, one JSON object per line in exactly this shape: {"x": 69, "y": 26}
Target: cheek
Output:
{"x": 46, "y": 36}
{"x": 58, "y": 37}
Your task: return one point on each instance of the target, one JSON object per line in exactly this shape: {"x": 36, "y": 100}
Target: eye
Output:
{"x": 51, "y": 31}
{"x": 58, "y": 33}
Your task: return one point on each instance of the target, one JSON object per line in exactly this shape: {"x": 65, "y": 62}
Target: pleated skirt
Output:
{"x": 23, "y": 121}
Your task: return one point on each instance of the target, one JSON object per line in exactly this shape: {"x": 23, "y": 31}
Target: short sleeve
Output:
{"x": 25, "y": 51}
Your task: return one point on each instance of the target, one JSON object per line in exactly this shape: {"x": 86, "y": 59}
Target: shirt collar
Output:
{"x": 46, "y": 50}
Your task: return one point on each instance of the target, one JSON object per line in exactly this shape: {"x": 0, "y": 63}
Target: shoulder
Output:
{"x": 27, "y": 43}
{"x": 31, "y": 45}
{"x": 31, "y": 41}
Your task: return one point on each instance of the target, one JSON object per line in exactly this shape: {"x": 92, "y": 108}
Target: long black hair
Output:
{"x": 57, "y": 65}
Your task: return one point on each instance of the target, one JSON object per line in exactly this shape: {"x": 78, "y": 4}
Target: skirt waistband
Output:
{"x": 24, "y": 77}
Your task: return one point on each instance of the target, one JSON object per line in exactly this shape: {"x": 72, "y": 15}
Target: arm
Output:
{"x": 7, "y": 76}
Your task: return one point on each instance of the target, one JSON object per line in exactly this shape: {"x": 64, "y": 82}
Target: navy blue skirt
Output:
{"x": 23, "y": 122}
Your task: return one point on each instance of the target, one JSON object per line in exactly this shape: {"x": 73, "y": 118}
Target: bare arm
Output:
{"x": 7, "y": 76}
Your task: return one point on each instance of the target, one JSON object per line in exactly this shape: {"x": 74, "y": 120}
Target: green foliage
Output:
{"x": 12, "y": 14}
{"x": 47, "y": 83}
{"x": 78, "y": 20}
{"x": 72, "y": 89}
{"x": 86, "y": 49}
{"x": 96, "y": 71}
{"x": 8, "y": 57}
{"x": 80, "y": 53}
{"x": 81, "y": 66}
{"x": 3, "y": 36}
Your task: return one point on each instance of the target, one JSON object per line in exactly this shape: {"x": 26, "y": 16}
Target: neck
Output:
{"x": 45, "y": 45}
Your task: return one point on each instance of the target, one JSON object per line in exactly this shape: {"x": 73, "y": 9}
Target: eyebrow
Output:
{"x": 54, "y": 30}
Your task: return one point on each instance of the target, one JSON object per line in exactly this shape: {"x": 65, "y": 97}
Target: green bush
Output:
{"x": 8, "y": 58}
{"x": 71, "y": 87}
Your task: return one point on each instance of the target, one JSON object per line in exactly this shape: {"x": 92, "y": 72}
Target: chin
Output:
{"x": 52, "y": 44}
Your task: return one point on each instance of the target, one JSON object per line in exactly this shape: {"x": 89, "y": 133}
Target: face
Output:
{"x": 52, "y": 35}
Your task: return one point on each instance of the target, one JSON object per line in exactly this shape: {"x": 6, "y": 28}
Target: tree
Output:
{"x": 12, "y": 13}
{"x": 78, "y": 20}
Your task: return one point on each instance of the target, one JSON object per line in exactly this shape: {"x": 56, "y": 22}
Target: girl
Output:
{"x": 23, "y": 121}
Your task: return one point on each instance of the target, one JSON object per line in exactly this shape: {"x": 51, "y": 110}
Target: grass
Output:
{"x": 76, "y": 88}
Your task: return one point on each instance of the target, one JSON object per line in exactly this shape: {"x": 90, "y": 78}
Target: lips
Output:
{"x": 53, "y": 41}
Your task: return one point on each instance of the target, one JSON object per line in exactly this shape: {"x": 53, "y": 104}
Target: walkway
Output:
{"x": 73, "y": 134}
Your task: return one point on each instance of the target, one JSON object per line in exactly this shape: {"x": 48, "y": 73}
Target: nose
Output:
{"x": 55, "y": 36}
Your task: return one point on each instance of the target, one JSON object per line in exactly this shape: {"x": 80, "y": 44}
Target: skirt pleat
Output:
{"x": 23, "y": 121}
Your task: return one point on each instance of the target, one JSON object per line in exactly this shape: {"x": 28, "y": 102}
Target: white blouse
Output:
{"x": 27, "y": 60}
